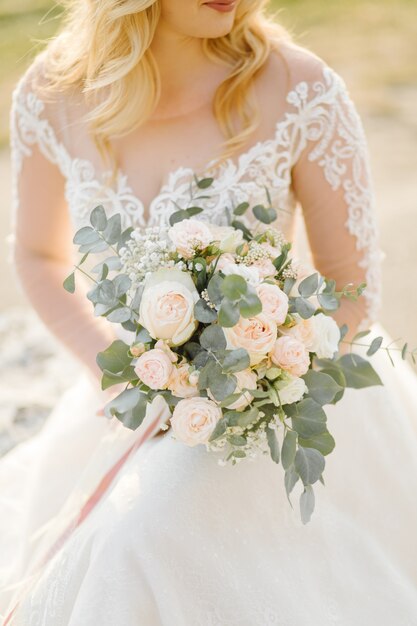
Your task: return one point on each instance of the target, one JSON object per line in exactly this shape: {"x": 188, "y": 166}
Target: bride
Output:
{"x": 121, "y": 109}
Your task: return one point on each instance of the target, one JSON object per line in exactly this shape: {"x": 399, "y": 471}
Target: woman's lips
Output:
{"x": 223, "y": 7}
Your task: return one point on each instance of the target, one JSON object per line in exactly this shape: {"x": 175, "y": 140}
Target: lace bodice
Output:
{"x": 317, "y": 156}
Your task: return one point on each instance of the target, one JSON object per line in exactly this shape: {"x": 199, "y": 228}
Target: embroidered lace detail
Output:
{"x": 321, "y": 112}
{"x": 330, "y": 119}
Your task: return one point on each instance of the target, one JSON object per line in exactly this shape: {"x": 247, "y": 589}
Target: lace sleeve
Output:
{"x": 41, "y": 252}
{"x": 332, "y": 181}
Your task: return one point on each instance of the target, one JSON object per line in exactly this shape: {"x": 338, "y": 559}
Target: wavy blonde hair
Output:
{"x": 103, "y": 48}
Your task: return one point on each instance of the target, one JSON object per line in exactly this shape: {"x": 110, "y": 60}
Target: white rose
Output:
{"x": 250, "y": 274}
{"x": 291, "y": 390}
{"x": 189, "y": 235}
{"x": 167, "y": 306}
{"x": 194, "y": 420}
{"x": 230, "y": 238}
{"x": 326, "y": 336}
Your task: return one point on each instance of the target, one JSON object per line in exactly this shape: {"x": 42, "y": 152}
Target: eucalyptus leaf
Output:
{"x": 263, "y": 214}
{"x": 125, "y": 401}
{"x": 203, "y": 183}
{"x": 273, "y": 444}
{"x": 121, "y": 284}
{"x": 288, "y": 449}
{"x": 307, "y": 502}
{"x": 69, "y": 283}
{"x": 237, "y": 440}
{"x": 203, "y": 313}
{"x": 290, "y": 480}
{"x": 212, "y": 338}
{"x": 309, "y": 285}
{"x": 304, "y": 308}
{"x": 236, "y": 360}
{"x": 324, "y": 443}
{"x": 288, "y": 285}
{"x": 359, "y": 373}
{"x": 308, "y": 417}
{"x": 234, "y": 286}
{"x": 86, "y": 235}
{"x": 103, "y": 293}
{"x": 241, "y": 208}
{"x": 321, "y": 387}
{"x": 113, "y": 229}
{"x": 119, "y": 315}
{"x": 229, "y": 313}
{"x": 328, "y": 302}
{"x": 114, "y": 358}
{"x": 178, "y": 216}
{"x": 222, "y": 385}
{"x": 375, "y": 346}
{"x": 100, "y": 246}
{"x": 98, "y": 218}
{"x": 250, "y": 305}
{"x": 214, "y": 289}
{"x": 309, "y": 464}
{"x": 242, "y": 418}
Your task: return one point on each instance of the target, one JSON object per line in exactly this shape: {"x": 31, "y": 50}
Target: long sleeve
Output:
{"x": 41, "y": 251}
{"x": 332, "y": 181}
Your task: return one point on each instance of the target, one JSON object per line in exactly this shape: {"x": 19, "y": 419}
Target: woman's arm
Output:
{"x": 332, "y": 181}
{"x": 42, "y": 251}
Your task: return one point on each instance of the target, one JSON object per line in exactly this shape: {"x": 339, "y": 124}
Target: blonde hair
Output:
{"x": 104, "y": 49}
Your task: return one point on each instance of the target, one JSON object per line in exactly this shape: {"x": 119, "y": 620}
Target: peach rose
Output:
{"x": 194, "y": 420}
{"x": 180, "y": 383}
{"x": 246, "y": 379}
{"x": 167, "y": 306}
{"x": 154, "y": 368}
{"x": 256, "y": 334}
{"x": 265, "y": 267}
{"x": 291, "y": 355}
{"x": 189, "y": 235}
{"x": 274, "y": 302}
{"x": 303, "y": 331}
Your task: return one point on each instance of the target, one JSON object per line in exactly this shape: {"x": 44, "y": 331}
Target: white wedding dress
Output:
{"x": 176, "y": 539}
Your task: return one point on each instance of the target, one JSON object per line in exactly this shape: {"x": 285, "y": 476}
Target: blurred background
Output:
{"x": 373, "y": 45}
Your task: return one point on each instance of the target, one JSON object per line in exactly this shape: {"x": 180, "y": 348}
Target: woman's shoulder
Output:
{"x": 302, "y": 71}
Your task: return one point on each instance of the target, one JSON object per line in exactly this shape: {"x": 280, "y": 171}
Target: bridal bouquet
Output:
{"x": 229, "y": 330}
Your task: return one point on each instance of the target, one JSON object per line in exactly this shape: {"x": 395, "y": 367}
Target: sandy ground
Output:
{"x": 34, "y": 368}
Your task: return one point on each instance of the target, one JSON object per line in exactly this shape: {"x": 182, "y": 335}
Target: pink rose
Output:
{"x": 303, "y": 331}
{"x": 154, "y": 368}
{"x": 256, "y": 334}
{"x": 265, "y": 267}
{"x": 180, "y": 383}
{"x": 274, "y": 302}
{"x": 291, "y": 355}
{"x": 194, "y": 420}
{"x": 189, "y": 235}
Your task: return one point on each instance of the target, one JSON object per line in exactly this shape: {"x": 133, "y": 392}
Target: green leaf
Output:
{"x": 113, "y": 229}
{"x": 307, "y": 502}
{"x": 250, "y": 305}
{"x": 340, "y": 379}
{"x": 193, "y": 210}
{"x": 375, "y": 345}
{"x": 229, "y": 313}
{"x": 219, "y": 429}
{"x": 109, "y": 379}
{"x": 304, "y": 308}
{"x": 103, "y": 293}
{"x": 237, "y": 440}
{"x": 125, "y": 401}
{"x": 69, "y": 283}
{"x": 214, "y": 289}
{"x": 143, "y": 336}
{"x": 86, "y": 235}
{"x": 112, "y": 262}
{"x": 321, "y": 387}
{"x": 308, "y": 418}
{"x": 98, "y": 218}
{"x": 264, "y": 215}
{"x": 121, "y": 284}
{"x": 288, "y": 449}
{"x": 309, "y": 285}
{"x": 242, "y": 418}
{"x": 324, "y": 443}
{"x": 404, "y": 351}
{"x": 178, "y": 216}
{"x": 234, "y": 286}
{"x": 359, "y": 373}
{"x": 241, "y": 226}
{"x": 361, "y": 335}
{"x": 309, "y": 464}
{"x": 273, "y": 444}
{"x": 222, "y": 385}
{"x": 203, "y": 313}
{"x": 288, "y": 285}
{"x": 203, "y": 183}
{"x": 212, "y": 338}
{"x": 119, "y": 315}
{"x": 328, "y": 302}
{"x": 114, "y": 358}
{"x": 236, "y": 360}
{"x": 290, "y": 480}
{"x": 241, "y": 208}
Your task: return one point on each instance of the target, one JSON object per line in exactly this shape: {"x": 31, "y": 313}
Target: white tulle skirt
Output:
{"x": 178, "y": 540}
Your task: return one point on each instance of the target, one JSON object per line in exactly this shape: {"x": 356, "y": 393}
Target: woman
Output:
{"x": 121, "y": 109}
